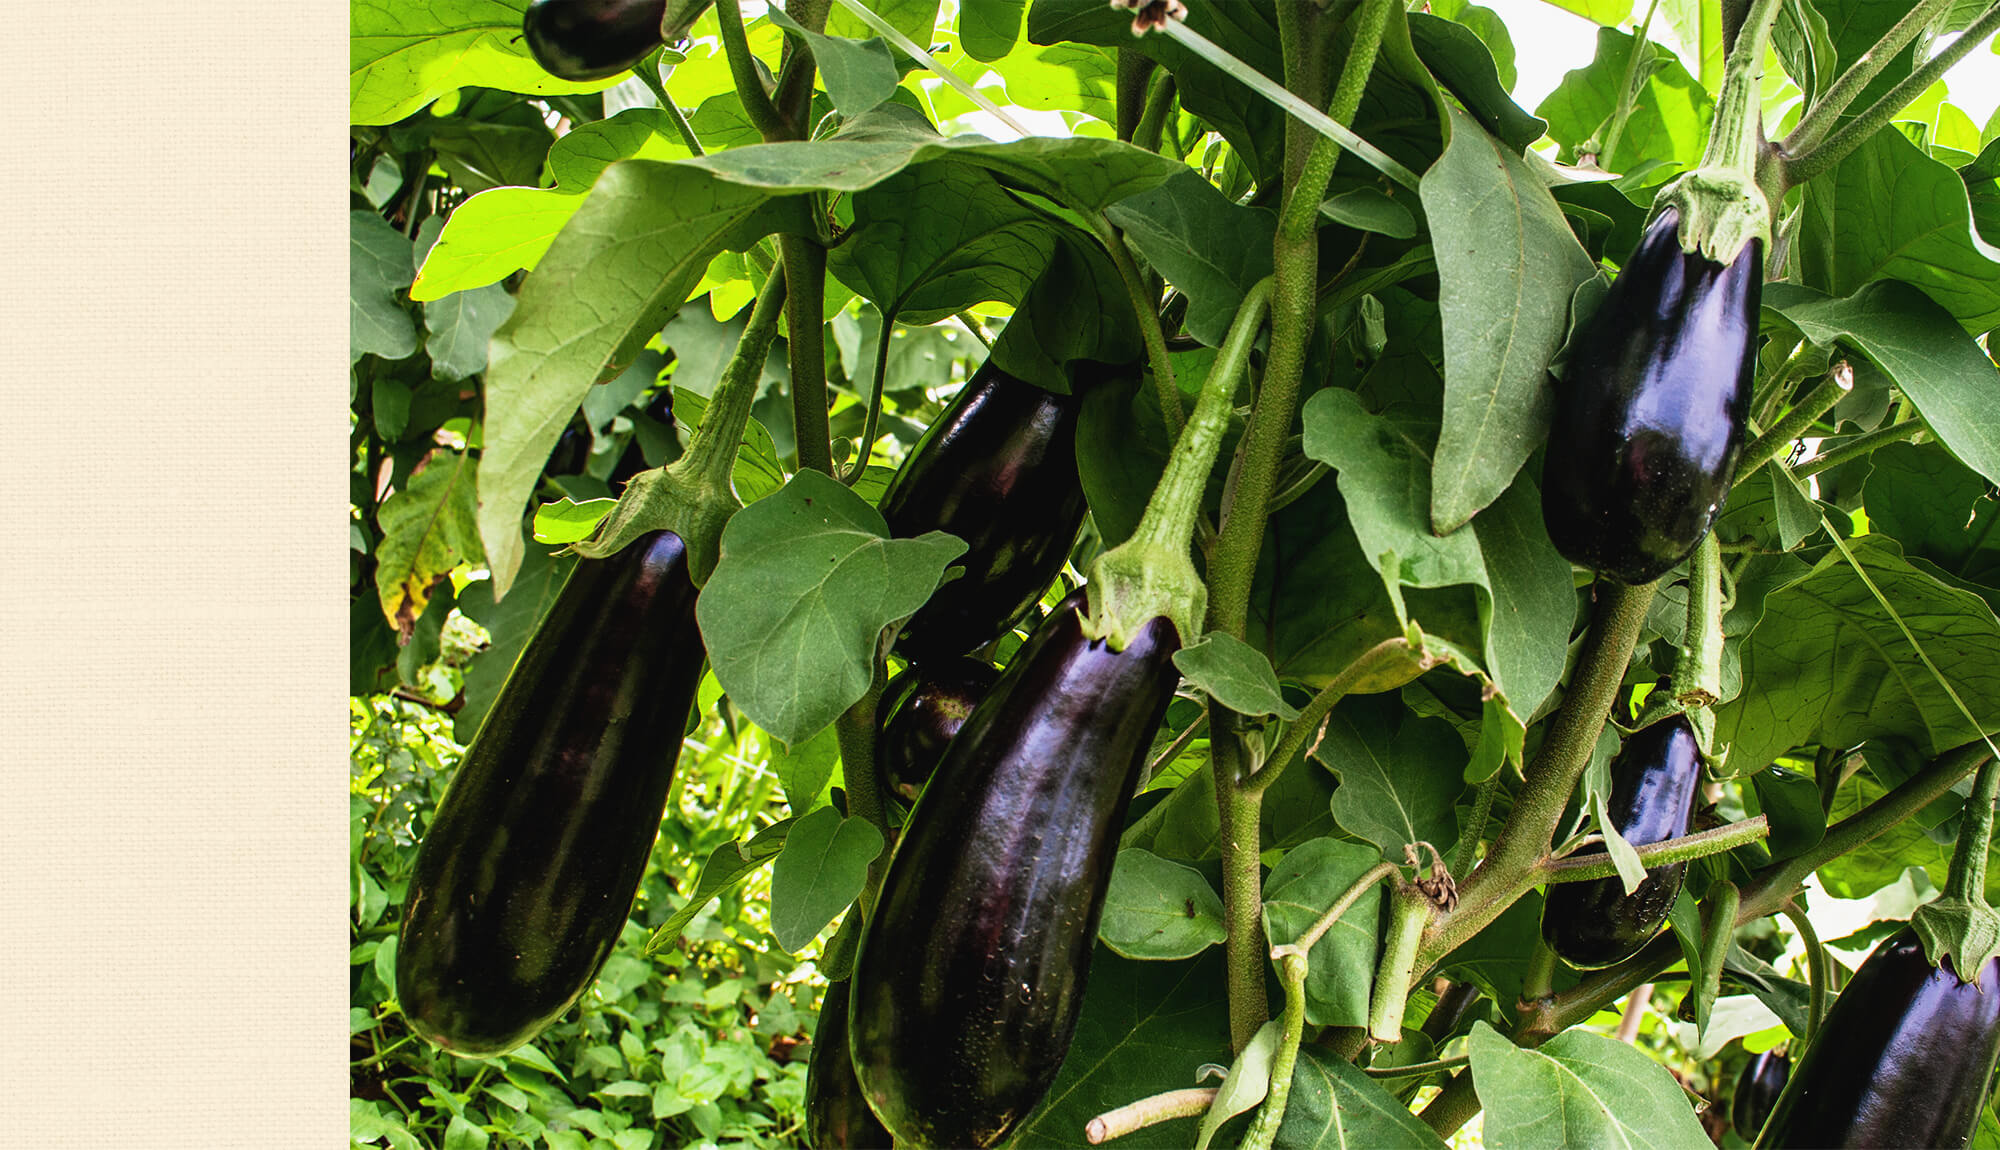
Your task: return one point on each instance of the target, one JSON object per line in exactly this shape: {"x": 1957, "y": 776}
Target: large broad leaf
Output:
{"x": 1669, "y": 117}
{"x": 1205, "y": 244}
{"x": 1234, "y": 674}
{"x": 1889, "y": 211}
{"x": 987, "y": 29}
{"x": 1507, "y": 263}
{"x": 938, "y": 238}
{"x": 1922, "y": 348}
{"x": 1341, "y": 965}
{"x": 378, "y": 265}
{"x": 1937, "y": 508}
{"x": 856, "y": 73}
{"x": 1399, "y": 775}
{"x": 1385, "y": 465}
{"x": 503, "y": 230}
{"x": 1827, "y": 665}
{"x": 1076, "y": 310}
{"x": 509, "y": 625}
{"x": 1159, "y": 909}
{"x": 622, "y": 265}
{"x": 403, "y": 55}
{"x": 821, "y": 870}
{"x": 427, "y": 529}
{"x": 1146, "y": 1028}
{"x": 1334, "y": 1106}
{"x": 806, "y": 581}
{"x": 460, "y": 326}
{"x": 1457, "y": 57}
{"x": 1578, "y": 1089}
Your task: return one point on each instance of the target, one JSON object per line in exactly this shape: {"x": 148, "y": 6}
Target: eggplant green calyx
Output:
{"x": 1960, "y": 925}
{"x": 1722, "y": 207}
{"x": 1150, "y": 575}
{"x": 693, "y": 496}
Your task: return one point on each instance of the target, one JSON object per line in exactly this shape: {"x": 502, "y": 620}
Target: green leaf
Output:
{"x": 1246, "y": 1084}
{"x": 1334, "y": 1106}
{"x": 427, "y": 529}
{"x": 1602, "y": 11}
{"x": 1211, "y": 248}
{"x": 1234, "y": 674}
{"x": 806, "y": 581}
{"x": 1076, "y": 309}
{"x": 821, "y": 870}
{"x": 1380, "y": 461}
{"x": 403, "y": 56}
{"x": 1937, "y": 508}
{"x": 463, "y": 1135}
{"x": 1670, "y": 111}
{"x": 938, "y": 238}
{"x": 563, "y": 521}
{"x": 1507, "y": 265}
{"x": 503, "y": 230}
{"x": 805, "y": 770}
{"x": 1530, "y": 603}
{"x": 1882, "y": 860}
{"x": 1496, "y": 959}
{"x": 461, "y": 325}
{"x": 1919, "y": 346}
{"x": 916, "y": 19}
{"x": 1146, "y": 1028}
{"x": 509, "y": 626}
{"x": 1159, "y": 909}
{"x": 988, "y": 29}
{"x": 1466, "y": 62}
{"x": 378, "y": 266}
{"x": 622, "y": 265}
{"x": 857, "y": 74}
{"x": 366, "y": 1123}
{"x": 1791, "y": 803}
{"x": 1371, "y": 210}
{"x": 1889, "y": 211}
{"x": 1309, "y": 880}
{"x": 1398, "y": 783}
{"x": 727, "y": 865}
{"x": 1597, "y": 790}
{"x": 1578, "y": 1089}
{"x": 1826, "y": 664}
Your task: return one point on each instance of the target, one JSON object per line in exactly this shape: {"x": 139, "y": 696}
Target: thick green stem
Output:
{"x": 1722, "y": 206}
{"x": 793, "y": 98}
{"x": 1293, "y": 315}
{"x": 1132, "y": 82}
{"x": 711, "y": 453}
{"x": 1859, "y": 446}
{"x": 1735, "y": 131}
{"x": 648, "y": 72}
{"x": 1795, "y": 423}
{"x": 1967, "y": 878}
{"x": 1821, "y": 158}
{"x": 764, "y": 115}
{"x": 1151, "y": 573}
{"x": 1697, "y": 678}
{"x": 1244, "y": 950}
{"x": 1264, "y": 1129}
{"x": 805, "y": 342}
{"x": 1820, "y": 118}
{"x": 1159, "y": 105}
{"x": 1409, "y": 912}
{"x": 1550, "y": 780}
{"x": 1453, "y": 1107}
{"x": 1538, "y": 981}
{"x": 1815, "y": 967}
{"x": 1715, "y": 840}
{"x": 855, "y": 730}
{"x": 1475, "y": 827}
{"x": 1190, "y": 1103}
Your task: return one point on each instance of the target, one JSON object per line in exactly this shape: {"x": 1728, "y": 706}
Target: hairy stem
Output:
{"x": 1454, "y": 1106}
{"x": 1409, "y": 913}
{"x": 1796, "y": 422}
{"x": 1369, "y": 663}
{"x": 1303, "y": 944}
{"x": 1147, "y": 308}
{"x": 855, "y": 730}
{"x": 1859, "y": 446}
{"x": 1190, "y": 1103}
{"x": 1264, "y": 1130}
{"x": 1820, "y": 118}
{"x": 1242, "y": 889}
{"x": 1835, "y": 148}
{"x": 1697, "y": 680}
{"x": 865, "y": 446}
{"x": 1816, "y": 970}
{"x": 805, "y": 331}
{"x": 1967, "y": 879}
{"x": 743, "y": 70}
{"x": 1715, "y": 840}
{"x": 648, "y": 72}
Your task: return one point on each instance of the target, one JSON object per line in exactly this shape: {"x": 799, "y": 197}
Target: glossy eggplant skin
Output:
{"x": 1757, "y": 1092}
{"x": 528, "y": 870}
{"x": 1648, "y": 421}
{"x": 1903, "y": 1059}
{"x": 998, "y": 470}
{"x": 592, "y": 39}
{"x": 972, "y": 971}
{"x": 922, "y": 708}
{"x": 837, "y": 1118}
{"x": 1595, "y": 923}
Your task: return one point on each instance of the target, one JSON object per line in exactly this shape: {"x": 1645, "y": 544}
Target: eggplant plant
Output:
{"x": 1204, "y": 535}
